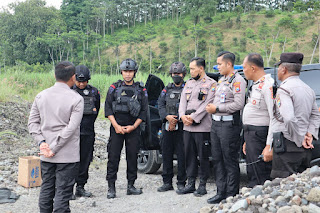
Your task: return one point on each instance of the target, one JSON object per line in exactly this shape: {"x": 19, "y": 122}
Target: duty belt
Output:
{"x": 255, "y": 128}
{"x": 222, "y": 118}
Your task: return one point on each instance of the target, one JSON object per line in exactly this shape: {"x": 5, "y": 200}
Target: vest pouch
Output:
{"x": 89, "y": 106}
{"x": 279, "y": 145}
{"x": 134, "y": 107}
{"x": 116, "y": 107}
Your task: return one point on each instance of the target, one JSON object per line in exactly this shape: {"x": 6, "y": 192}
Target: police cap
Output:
{"x": 82, "y": 73}
{"x": 178, "y": 67}
{"x": 296, "y": 58}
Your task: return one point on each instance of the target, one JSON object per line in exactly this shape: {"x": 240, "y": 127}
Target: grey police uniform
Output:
{"x": 225, "y": 133}
{"x": 296, "y": 113}
{"x": 194, "y": 98}
{"x": 256, "y": 120}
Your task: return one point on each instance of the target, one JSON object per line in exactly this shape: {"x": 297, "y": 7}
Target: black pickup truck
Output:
{"x": 150, "y": 158}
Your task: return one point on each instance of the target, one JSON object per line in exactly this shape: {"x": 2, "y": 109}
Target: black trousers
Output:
{"x": 172, "y": 142}
{"x": 294, "y": 160}
{"x": 196, "y": 144}
{"x": 57, "y": 183}
{"x": 86, "y": 155}
{"x": 255, "y": 138}
{"x": 225, "y": 148}
{"x": 114, "y": 151}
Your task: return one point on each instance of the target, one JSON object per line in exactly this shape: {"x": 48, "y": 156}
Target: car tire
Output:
{"x": 147, "y": 161}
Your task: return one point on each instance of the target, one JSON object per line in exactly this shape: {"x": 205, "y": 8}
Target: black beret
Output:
{"x": 296, "y": 58}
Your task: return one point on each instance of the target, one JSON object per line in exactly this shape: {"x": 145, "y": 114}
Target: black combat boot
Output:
{"x": 201, "y": 189}
{"x": 179, "y": 188}
{"x": 165, "y": 187}
{"x": 131, "y": 190}
{"x": 111, "y": 191}
{"x": 81, "y": 192}
{"x": 189, "y": 188}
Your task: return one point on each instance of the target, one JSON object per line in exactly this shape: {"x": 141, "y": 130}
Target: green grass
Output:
{"x": 28, "y": 85}
{"x": 16, "y": 82}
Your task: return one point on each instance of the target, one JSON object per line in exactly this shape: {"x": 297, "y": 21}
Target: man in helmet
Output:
{"x": 126, "y": 107}
{"x": 172, "y": 128}
{"x": 91, "y": 98}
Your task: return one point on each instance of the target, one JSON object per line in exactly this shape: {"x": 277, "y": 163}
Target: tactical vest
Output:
{"x": 127, "y": 99}
{"x": 172, "y": 99}
{"x": 89, "y": 97}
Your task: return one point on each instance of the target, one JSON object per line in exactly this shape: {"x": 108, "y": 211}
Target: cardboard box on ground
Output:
{"x": 29, "y": 174}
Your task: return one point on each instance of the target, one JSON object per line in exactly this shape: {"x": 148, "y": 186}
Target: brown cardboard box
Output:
{"x": 29, "y": 174}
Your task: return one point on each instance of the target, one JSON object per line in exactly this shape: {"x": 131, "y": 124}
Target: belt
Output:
{"x": 255, "y": 128}
{"x": 222, "y": 118}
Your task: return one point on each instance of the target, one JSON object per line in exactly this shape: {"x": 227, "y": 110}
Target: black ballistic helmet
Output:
{"x": 178, "y": 67}
{"x": 82, "y": 73}
{"x": 129, "y": 64}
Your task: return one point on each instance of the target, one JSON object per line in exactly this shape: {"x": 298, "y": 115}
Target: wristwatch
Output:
{"x": 217, "y": 109}
{"x": 43, "y": 141}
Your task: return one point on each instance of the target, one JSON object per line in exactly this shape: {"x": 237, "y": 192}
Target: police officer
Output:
{"x": 91, "y": 98}
{"x": 196, "y": 94}
{"x": 256, "y": 120}
{"x": 172, "y": 130}
{"x": 126, "y": 107}
{"x": 296, "y": 119}
{"x": 225, "y": 132}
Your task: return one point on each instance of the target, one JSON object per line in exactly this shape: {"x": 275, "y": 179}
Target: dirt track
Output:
{"x": 13, "y": 146}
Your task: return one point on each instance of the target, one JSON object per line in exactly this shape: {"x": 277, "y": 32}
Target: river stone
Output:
{"x": 297, "y": 209}
{"x": 256, "y": 191}
{"x": 275, "y": 194}
{"x": 205, "y": 209}
{"x": 240, "y": 204}
{"x": 285, "y": 209}
{"x": 276, "y": 182}
{"x": 289, "y": 194}
{"x": 314, "y": 195}
{"x": 313, "y": 208}
{"x": 296, "y": 200}
{"x": 315, "y": 171}
{"x": 280, "y": 199}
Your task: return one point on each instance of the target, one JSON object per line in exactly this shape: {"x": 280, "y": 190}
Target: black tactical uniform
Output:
{"x": 117, "y": 104}
{"x": 172, "y": 141}
{"x": 91, "y": 98}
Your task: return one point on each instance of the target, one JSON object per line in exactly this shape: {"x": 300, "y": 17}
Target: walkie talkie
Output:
{"x": 275, "y": 84}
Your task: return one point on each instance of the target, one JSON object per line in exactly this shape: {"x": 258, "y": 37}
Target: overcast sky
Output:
{"x": 55, "y": 3}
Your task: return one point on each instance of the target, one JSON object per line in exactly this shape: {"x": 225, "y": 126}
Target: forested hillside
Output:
{"x": 101, "y": 33}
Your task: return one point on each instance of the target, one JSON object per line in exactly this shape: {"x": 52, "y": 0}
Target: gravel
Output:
{"x": 297, "y": 193}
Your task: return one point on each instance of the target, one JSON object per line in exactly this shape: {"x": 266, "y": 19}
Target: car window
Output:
{"x": 312, "y": 78}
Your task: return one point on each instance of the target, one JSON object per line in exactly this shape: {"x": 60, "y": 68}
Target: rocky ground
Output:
{"x": 297, "y": 193}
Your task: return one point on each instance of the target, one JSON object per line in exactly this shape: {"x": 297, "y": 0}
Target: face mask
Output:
{"x": 177, "y": 79}
{"x": 197, "y": 77}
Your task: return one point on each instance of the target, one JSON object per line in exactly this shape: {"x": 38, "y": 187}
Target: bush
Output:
{"x": 229, "y": 23}
{"x": 250, "y": 33}
{"x": 163, "y": 47}
{"x": 207, "y": 19}
{"x": 269, "y": 13}
{"x": 235, "y": 41}
{"x": 243, "y": 45}
{"x": 202, "y": 45}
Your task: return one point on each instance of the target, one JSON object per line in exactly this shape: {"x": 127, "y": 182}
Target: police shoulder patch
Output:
{"x": 111, "y": 88}
{"x": 271, "y": 90}
{"x": 213, "y": 87}
{"x": 278, "y": 101}
{"x": 145, "y": 92}
{"x": 237, "y": 86}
